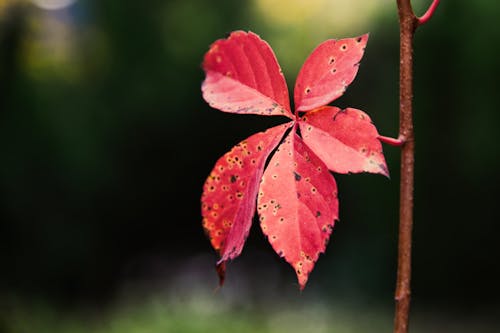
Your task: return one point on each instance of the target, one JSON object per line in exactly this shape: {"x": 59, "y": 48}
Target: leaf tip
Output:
{"x": 362, "y": 39}
{"x": 302, "y": 279}
{"x": 381, "y": 169}
{"x": 384, "y": 170}
{"x": 302, "y": 270}
{"x": 221, "y": 272}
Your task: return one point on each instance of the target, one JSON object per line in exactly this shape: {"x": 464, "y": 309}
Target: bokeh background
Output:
{"x": 105, "y": 143}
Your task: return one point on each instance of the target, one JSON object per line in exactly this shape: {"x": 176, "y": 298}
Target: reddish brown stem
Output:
{"x": 408, "y": 22}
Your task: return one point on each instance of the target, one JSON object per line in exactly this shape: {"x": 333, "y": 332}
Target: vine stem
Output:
{"x": 408, "y": 23}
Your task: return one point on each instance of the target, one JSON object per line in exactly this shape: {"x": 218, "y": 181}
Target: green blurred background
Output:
{"x": 105, "y": 143}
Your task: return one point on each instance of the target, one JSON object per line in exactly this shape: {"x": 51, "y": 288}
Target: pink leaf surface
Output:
{"x": 346, "y": 140}
{"x": 327, "y": 72}
{"x": 230, "y": 191}
{"x": 297, "y": 205}
{"x": 243, "y": 76}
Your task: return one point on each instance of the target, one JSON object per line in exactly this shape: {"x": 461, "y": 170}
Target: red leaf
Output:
{"x": 327, "y": 72}
{"x": 229, "y": 193}
{"x": 297, "y": 196}
{"x": 243, "y": 76}
{"x": 298, "y": 205}
{"x": 346, "y": 140}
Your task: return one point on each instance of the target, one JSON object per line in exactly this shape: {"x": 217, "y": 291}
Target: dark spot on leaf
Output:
{"x": 297, "y": 176}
